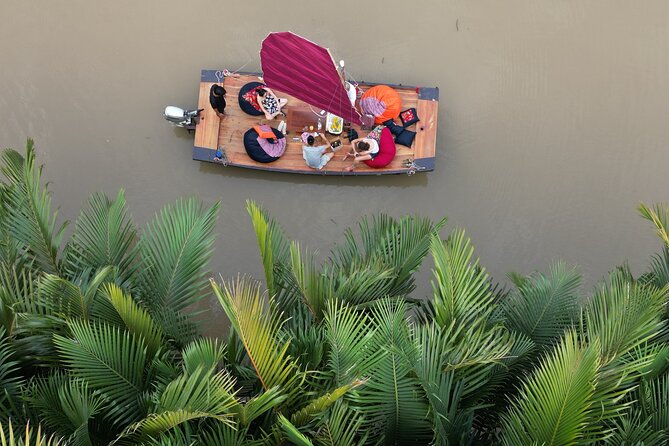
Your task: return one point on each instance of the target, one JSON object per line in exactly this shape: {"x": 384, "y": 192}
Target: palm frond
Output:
{"x": 659, "y": 216}
{"x": 257, "y": 406}
{"x": 136, "y": 319}
{"x": 391, "y": 399}
{"x": 103, "y": 236}
{"x": 66, "y": 406}
{"x": 349, "y": 334}
{"x": 293, "y": 434}
{"x": 29, "y": 437}
{"x": 68, "y": 299}
{"x": 319, "y": 405}
{"x": 11, "y": 380}
{"x": 199, "y": 395}
{"x": 462, "y": 293}
{"x": 311, "y": 285}
{"x": 258, "y": 328}
{"x": 113, "y": 362}
{"x": 556, "y": 403}
{"x": 543, "y": 307}
{"x": 204, "y": 353}
{"x": 273, "y": 245}
{"x": 28, "y": 209}
{"x": 175, "y": 249}
{"x": 343, "y": 427}
{"x": 624, "y": 315}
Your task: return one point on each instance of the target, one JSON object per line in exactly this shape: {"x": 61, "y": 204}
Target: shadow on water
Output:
{"x": 386, "y": 181}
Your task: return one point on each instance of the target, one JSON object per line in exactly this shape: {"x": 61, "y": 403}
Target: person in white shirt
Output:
{"x": 362, "y": 149}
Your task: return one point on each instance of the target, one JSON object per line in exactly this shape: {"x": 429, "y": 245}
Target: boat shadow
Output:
{"x": 400, "y": 180}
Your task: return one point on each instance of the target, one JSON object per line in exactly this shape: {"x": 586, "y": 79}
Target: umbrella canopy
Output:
{"x": 300, "y": 68}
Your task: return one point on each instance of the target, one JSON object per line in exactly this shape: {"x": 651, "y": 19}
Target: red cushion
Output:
{"x": 386, "y": 150}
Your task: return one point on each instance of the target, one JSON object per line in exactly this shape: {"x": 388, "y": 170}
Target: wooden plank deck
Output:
{"x": 212, "y": 132}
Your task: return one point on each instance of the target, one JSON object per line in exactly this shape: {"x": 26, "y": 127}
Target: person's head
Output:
{"x": 218, "y": 90}
{"x": 362, "y": 146}
{"x": 310, "y": 140}
{"x": 261, "y": 92}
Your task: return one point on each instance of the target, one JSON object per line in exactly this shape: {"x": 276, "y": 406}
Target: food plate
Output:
{"x": 334, "y": 124}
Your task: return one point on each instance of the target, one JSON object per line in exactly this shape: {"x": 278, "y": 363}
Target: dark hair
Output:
{"x": 362, "y": 145}
{"x": 261, "y": 92}
{"x": 310, "y": 140}
{"x": 218, "y": 90}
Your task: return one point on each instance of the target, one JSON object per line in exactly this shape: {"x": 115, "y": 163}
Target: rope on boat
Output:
{"x": 411, "y": 166}
{"x": 221, "y": 157}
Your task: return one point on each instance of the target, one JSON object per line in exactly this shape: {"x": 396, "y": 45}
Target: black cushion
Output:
{"x": 394, "y": 128}
{"x": 244, "y": 104}
{"x": 405, "y": 138}
{"x": 253, "y": 148}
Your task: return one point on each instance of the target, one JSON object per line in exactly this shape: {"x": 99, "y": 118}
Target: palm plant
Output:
{"x": 99, "y": 338}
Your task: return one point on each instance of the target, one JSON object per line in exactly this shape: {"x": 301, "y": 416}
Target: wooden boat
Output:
{"x": 225, "y": 135}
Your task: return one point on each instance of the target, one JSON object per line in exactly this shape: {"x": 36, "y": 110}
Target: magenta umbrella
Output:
{"x": 300, "y": 68}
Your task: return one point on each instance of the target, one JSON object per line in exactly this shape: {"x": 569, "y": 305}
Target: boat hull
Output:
{"x": 227, "y": 133}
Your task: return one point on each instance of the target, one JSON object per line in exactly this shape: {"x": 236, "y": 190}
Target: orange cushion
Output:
{"x": 382, "y": 102}
{"x": 264, "y": 131}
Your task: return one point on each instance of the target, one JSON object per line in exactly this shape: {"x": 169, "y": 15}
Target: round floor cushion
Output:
{"x": 248, "y": 98}
{"x": 382, "y": 102}
{"x": 262, "y": 150}
{"x": 386, "y": 150}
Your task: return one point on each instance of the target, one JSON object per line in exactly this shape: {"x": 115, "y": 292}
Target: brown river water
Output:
{"x": 553, "y": 121}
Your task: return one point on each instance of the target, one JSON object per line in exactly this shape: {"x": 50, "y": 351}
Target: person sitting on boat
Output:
{"x": 314, "y": 155}
{"x": 362, "y": 149}
{"x": 217, "y": 99}
{"x": 269, "y": 103}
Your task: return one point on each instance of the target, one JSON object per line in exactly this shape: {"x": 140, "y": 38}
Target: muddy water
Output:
{"x": 553, "y": 117}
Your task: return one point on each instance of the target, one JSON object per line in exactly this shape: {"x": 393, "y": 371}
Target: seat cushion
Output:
{"x": 405, "y": 138}
{"x": 263, "y": 150}
{"x": 382, "y": 102}
{"x": 248, "y": 98}
{"x": 386, "y": 150}
{"x": 409, "y": 117}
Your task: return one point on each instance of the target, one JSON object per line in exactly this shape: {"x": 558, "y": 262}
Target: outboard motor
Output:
{"x": 187, "y": 119}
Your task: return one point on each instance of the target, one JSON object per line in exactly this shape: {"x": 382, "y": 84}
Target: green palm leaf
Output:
{"x": 11, "y": 380}
{"x": 28, "y": 209}
{"x": 66, "y": 406}
{"x": 350, "y": 335}
{"x": 257, "y": 406}
{"x": 69, "y": 299}
{"x": 136, "y": 319}
{"x": 273, "y": 245}
{"x": 313, "y": 287}
{"x": 258, "y": 328}
{"x": 543, "y": 307}
{"x": 462, "y": 293}
{"x": 104, "y": 236}
{"x": 557, "y": 403}
{"x": 293, "y": 434}
{"x": 343, "y": 427}
{"x": 175, "y": 249}
{"x": 391, "y": 399}
{"x": 624, "y": 316}
{"x": 659, "y": 216}
{"x": 112, "y": 362}
{"x": 204, "y": 353}
{"x": 199, "y": 395}
{"x": 319, "y": 405}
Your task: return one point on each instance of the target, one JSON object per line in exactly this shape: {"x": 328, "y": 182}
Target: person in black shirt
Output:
{"x": 217, "y": 99}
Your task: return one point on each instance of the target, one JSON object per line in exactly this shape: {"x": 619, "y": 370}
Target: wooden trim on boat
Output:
{"x": 227, "y": 133}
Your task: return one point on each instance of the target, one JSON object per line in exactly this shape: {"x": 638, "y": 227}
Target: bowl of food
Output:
{"x": 334, "y": 124}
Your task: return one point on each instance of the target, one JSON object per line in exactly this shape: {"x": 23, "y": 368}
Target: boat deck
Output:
{"x": 227, "y": 133}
